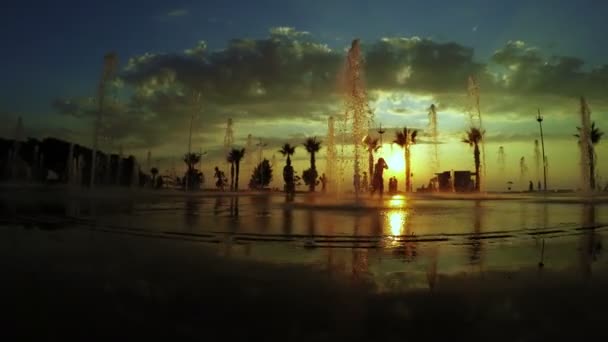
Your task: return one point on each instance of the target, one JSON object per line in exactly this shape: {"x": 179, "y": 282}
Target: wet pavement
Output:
{"x": 153, "y": 243}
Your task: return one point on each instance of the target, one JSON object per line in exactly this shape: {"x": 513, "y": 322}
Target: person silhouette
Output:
{"x": 531, "y": 187}
{"x": 357, "y": 182}
{"x": 378, "y": 181}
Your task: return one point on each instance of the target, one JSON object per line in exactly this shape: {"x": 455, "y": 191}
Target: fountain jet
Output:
{"x": 331, "y": 157}
{"x": 523, "y": 169}
{"x": 476, "y": 121}
{"x": 537, "y": 159}
{"x": 433, "y": 131}
{"x": 358, "y": 116}
{"x": 586, "y": 147}
{"x": 501, "y": 161}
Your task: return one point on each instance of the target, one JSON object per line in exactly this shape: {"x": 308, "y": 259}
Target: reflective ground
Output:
{"x": 333, "y": 261}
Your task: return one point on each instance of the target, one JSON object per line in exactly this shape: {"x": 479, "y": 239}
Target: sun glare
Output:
{"x": 396, "y": 220}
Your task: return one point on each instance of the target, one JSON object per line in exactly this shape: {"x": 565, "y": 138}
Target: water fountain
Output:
{"x": 586, "y": 147}
{"x": 502, "y": 161}
{"x": 331, "y": 156}
{"x": 476, "y": 121}
{"x": 249, "y": 155}
{"x": 434, "y": 136}
{"x": 149, "y": 161}
{"x": 110, "y": 64}
{"x": 357, "y": 116}
{"x": 537, "y": 159}
{"x": 523, "y": 169}
{"x": 228, "y": 139}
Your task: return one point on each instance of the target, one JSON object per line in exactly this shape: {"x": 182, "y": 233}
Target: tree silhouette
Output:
{"x": 231, "y": 161}
{"x": 193, "y": 177}
{"x": 261, "y": 176}
{"x": 405, "y": 139}
{"x": 595, "y": 136}
{"x": 287, "y": 150}
{"x": 372, "y": 145}
{"x": 473, "y": 138}
{"x": 235, "y": 157}
{"x": 312, "y": 146}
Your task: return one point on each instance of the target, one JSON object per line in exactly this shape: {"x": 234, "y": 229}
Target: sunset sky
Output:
{"x": 272, "y": 67}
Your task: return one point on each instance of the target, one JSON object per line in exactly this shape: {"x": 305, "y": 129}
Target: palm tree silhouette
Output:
{"x": 372, "y": 145}
{"x": 287, "y": 150}
{"x": 595, "y": 135}
{"x": 312, "y": 146}
{"x": 406, "y": 139}
{"x": 473, "y": 138}
{"x": 191, "y": 159}
{"x": 235, "y": 157}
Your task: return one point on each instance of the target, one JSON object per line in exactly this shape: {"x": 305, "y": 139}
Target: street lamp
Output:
{"x": 539, "y": 118}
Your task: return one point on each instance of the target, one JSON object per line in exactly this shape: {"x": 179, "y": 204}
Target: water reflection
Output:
{"x": 476, "y": 249}
{"x": 217, "y": 207}
{"x": 191, "y": 212}
{"x": 591, "y": 245}
{"x": 360, "y": 262}
{"x": 234, "y": 206}
{"x": 400, "y": 228}
{"x": 261, "y": 206}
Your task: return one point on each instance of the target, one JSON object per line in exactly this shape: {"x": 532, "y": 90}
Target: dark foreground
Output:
{"x": 106, "y": 275}
{"x": 123, "y": 290}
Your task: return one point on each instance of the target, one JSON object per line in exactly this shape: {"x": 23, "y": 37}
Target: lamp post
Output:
{"x": 539, "y": 118}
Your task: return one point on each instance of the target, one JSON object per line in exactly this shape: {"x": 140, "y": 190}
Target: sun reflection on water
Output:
{"x": 396, "y": 218}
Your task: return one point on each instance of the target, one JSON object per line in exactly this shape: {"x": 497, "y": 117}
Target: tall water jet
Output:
{"x": 110, "y": 64}
{"x": 502, "y": 161}
{"x": 331, "y": 154}
{"x": 358, "y": 115}
{"x": 228, "y": 138}
{"x": 476, "y": 121}
{"x": 249, "y": 155}
{"x": 433, "y": 131}
{"x": 523, "y": 169}
{"x": 537, "y": 159}
{"x": 586, "y": 147}
{"x": 149, "y": 161}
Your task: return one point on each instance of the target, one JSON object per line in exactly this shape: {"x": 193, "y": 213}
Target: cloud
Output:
{"x": 180, "y": 12}
{"x": 292, "y": 79}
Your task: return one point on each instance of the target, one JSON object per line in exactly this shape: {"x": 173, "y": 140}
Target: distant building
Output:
{"x": 462, "y": 181}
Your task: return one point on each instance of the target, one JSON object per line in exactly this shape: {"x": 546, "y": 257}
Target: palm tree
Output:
{"x": 595, "y": 135}
{"x": 287, "y": 150}
{"x": 406, "y": 139}
{"x": 191, "y": 159}
{"x": 312, "y": 146}
{"x": 372, "y": 145}
{"x": 235, "y": 157}
{"x": 473, "y": 138}
{"x": 231, "y": 161}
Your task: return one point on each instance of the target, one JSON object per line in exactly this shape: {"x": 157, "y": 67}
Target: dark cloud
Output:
{"x": 290, "y": 76}
{"x": 529, "y": 72}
